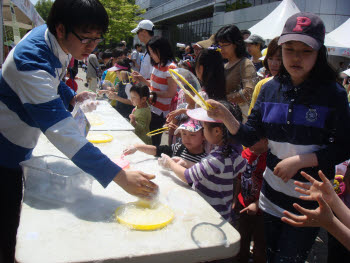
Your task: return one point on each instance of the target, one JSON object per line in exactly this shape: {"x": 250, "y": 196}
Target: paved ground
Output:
{"x": 318, "y": 253}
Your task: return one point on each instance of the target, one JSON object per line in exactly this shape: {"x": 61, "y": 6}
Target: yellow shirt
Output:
{"x": 256, "y": 93}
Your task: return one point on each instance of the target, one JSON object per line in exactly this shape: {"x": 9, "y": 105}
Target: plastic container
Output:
{"x": 56, "y": 179}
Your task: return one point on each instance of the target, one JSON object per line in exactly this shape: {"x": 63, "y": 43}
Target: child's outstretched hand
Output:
{"x": 130, "y": 150}
{"x": 287, "y": 168}
{"x": 132, "y": 119}
{"x": 321, "y": 216}
{"x": 251, "y": 209}
{"x": 310, "y": 192}
{"x": 175, "y": 113}
{"x": 164, "y": 161}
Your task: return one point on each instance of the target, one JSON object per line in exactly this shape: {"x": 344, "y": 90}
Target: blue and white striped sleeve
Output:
{"x": 66, "y": 94}
{"x": 37, "y": 89}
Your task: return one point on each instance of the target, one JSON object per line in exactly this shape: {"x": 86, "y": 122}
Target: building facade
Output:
{"x": 189, "y": 21}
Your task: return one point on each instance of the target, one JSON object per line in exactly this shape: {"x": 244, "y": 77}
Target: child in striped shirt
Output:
{"x": 213, "y": 177}
{"x": 190, "y": 151}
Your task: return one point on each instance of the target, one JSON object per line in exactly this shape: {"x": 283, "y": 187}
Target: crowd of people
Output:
{"x": 277, "y": 118}
{"x": 274, "y": 99}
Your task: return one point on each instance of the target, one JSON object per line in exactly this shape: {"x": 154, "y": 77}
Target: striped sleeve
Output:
{"x": 208, "y": 166}
{"x": 66, "y": 94}
{"x": 43, "y": 100}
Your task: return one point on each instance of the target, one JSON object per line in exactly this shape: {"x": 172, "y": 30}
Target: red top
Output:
{"x": 72, "y": 84}
{"x": 252, "y": 177}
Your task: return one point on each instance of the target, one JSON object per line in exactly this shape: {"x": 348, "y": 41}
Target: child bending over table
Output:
{"x": 213, "y": 177}
{"x": 190, "y": 151}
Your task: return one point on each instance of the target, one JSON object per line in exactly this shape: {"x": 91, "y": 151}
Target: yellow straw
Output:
{"x": 201, "y": 102}
{"x": 158, "y": 131}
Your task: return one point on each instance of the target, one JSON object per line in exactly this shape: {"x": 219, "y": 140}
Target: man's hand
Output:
{"x": 85, "y": 95}
{"x": 136, "y": 183}
{"x": 129, "y": 150}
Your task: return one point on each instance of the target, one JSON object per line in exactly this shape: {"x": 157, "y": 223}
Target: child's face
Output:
{"x": 135, "y": 98}
{"x": 154, "y": 55}
{"x": 192, "y": 140}
{"x": 212, "y": 135}
{"x": 298, "y": 59}
{"x": 259, "y": 147}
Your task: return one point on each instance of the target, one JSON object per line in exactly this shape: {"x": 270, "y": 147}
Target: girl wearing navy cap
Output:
{"x": 304, "y": 114}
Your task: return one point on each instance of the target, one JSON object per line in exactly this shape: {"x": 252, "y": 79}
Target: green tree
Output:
{"x": 123, "y": 17}
{"x": 239, "y": 4}
{"x": 43, "y": 7}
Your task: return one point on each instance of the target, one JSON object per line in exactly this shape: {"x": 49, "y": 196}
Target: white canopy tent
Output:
{"x": 338, "y": 41}
{"x": 26, "y": 17}
{"x": 272, "y": 25}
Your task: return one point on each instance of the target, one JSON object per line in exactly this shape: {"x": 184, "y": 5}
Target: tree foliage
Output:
{"x": 43, "y": 8}
{"x": 123, "y": 17}
{"x": 239, "y": 4}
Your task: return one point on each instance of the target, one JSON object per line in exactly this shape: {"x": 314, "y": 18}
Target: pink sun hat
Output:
{"x": 201, "y": 114}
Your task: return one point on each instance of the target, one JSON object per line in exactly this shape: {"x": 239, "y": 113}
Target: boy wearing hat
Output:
{"x": 255, "y": 44}
{"x": 145, "y": 31}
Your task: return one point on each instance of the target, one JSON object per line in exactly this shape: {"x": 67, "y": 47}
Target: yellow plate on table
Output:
{"x": 142, "y": 216}
{"x": 99, "y": 138}
{"x": 180, "y": 80}
{"x": 94, "y": 119}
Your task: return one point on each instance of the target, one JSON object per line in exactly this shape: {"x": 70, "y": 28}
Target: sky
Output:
{"x": 33, "y": 1}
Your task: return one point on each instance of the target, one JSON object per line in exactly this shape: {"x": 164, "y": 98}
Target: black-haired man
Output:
{"x": 34, "y": 99}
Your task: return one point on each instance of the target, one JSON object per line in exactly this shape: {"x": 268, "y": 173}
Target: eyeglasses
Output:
{"x": 88, "y": 40}
{"x": 223, "y": 46}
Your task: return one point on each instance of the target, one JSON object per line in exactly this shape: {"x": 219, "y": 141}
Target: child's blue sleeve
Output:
{"x": 104, "y": 75}
{"x": 66, "y": 94}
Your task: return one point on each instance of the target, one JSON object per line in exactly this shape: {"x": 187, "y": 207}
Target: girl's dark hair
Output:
{"x": 272, "y": 48}
{"x": 231, "y": 34}
{"x": 78, "y": 14}
{"x": 125, "y": 63}
{"x": 321, "y": 71}
{"x": 107, "y": 54}
{"x": 213, "y": 77}
{"x": 162, "y": 48}
{"x": 143, "y": 91}
{"x": 237, "y": 113}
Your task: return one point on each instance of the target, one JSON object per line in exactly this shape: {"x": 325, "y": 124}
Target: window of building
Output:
{"x": 192, "y": 32}
{"x": 232, "y": 5}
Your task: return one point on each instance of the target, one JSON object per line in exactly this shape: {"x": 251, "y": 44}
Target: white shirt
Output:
{"x": 146, "y": 67}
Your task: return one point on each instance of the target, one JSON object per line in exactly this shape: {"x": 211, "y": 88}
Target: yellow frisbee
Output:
{"x": 180, "y": 80}
{"x": 142, "y": 216}
{"x": 99, "y": 138}
{"x": 94, "y": 119}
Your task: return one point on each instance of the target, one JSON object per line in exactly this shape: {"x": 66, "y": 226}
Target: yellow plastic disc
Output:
{"x": 99, "y": 138}
{"x": 94, "y": 119}
{"x": 141, "y": 216}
